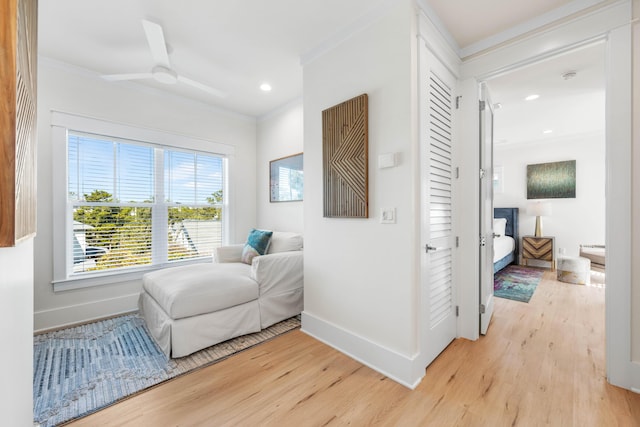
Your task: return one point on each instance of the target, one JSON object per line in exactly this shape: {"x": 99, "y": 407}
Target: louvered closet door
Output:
{"x": 437, "y": 209}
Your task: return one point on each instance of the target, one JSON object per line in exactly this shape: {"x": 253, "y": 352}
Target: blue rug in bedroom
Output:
{"x": 516, "y": 282}
{"x": 79, "y": 370}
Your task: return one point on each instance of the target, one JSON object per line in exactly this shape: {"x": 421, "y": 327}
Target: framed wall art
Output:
{"x": 555, "y": 180}
{"x": 286, "y": 179}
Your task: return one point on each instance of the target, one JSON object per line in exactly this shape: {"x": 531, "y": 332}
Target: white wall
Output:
{"x": 635, "y": 278}
{"x": 280, "y": 134}
{"x": 16, "y": 334}
{"x": 361, "y": 277}
{"x": 73, "y": 91}
{"x": 573, "y": 221}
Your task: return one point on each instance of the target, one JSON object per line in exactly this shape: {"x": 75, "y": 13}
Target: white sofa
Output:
{"x": 192, "y": 307}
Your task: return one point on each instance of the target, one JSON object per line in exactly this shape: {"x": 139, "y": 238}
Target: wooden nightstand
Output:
{"x": 539, "y": 248}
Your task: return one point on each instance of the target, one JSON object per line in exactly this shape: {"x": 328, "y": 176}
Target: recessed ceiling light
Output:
{"x": 497, "y": 106}
{"x": 547, "y": 131}
{"x": 266, "y": 87}
{"x": 532, "y": 97}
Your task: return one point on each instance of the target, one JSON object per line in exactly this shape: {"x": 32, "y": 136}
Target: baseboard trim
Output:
{"x": 398, "y": 367}
{"x": 62, "y": 317}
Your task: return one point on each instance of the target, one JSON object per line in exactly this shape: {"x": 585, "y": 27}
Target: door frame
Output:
{"x": 610, "y": 24}
{"x": 485, "y": 190}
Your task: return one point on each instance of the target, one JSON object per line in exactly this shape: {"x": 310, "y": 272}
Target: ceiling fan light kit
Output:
{"x": 164, "y": 75}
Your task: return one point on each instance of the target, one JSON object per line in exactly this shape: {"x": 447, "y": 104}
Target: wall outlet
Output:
{"x": 388, "y": 215}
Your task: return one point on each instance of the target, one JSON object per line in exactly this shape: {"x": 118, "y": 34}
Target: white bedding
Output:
{"x": 502, "y": 246}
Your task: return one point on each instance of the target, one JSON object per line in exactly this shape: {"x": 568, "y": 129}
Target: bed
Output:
{"x": 505, "y": 241}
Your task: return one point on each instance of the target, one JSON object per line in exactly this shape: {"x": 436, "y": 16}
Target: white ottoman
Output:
{"x": 574, "y": 269}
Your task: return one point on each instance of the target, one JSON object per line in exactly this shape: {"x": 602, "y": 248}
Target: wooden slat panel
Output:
{"x": 8, "y": 36}
{"x": 345, "y": 159}
{"x": 18, "y": 35}
{"x": 25, "y": 196}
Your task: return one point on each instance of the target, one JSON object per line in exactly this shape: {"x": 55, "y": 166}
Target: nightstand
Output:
{"x": 539, "y": 248}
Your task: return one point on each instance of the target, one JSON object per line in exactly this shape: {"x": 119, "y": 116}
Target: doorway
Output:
{"x": 612, "y": 27}
{"x": 547, "y": 112}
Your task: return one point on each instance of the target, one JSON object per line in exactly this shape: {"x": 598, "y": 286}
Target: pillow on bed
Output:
{"x": 500, "y": 226}
{"x": 257, "y": 244}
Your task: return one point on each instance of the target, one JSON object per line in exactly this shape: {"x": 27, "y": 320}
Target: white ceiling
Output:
{"x": 232, "y": 45}
{"x": 569, "y": 108}
{"x": 236, "y": 45}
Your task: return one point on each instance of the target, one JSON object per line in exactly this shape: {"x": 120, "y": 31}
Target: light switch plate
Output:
{"x": 388, "y": 215}
{"x": 387, "y": 160}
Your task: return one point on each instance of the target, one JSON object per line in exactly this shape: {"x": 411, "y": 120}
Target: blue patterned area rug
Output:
{"x": 516, "y": 282}
{"x": 80, "y": 370}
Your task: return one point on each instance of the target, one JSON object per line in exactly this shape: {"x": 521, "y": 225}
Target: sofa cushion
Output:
{"x": 285, "y": 241}
{"x": 595, "y": 254}
{"x": 257, "y": 244}
{"x": 196, "y": 289}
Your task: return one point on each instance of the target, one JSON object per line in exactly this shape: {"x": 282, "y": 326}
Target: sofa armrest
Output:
{"x": 278, "y": 273}
{"x": 231, "y": 253}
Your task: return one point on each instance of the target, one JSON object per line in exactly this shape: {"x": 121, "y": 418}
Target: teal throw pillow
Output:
{"x": 257, "y": 244}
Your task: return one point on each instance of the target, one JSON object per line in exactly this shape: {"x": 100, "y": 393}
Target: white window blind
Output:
{"x": 135, "y": 204}
{"x": 193, "y": 184}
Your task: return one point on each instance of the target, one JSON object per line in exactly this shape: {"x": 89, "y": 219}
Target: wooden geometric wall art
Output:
{"x": 18, "y": 53}
{"x": 345, "y": 138}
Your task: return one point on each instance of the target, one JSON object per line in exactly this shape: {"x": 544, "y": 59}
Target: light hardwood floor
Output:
{"x": 542, "y": 363}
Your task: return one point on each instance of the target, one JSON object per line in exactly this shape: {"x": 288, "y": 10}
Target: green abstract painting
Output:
{"x": 552, "y": 180}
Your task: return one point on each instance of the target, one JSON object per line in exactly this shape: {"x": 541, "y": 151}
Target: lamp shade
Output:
{"x": 539, "y": 209}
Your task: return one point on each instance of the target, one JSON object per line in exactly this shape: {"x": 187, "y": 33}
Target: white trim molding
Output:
{"x": 518, "y": 31}
{"x": 61, "y": 317}
{"x": 581, "y": 31}
{"x": 400, "y": 368}
{"x": 555, "y": 15}
{"x": 618, "y": 208}
{"x": 344, "y": 33}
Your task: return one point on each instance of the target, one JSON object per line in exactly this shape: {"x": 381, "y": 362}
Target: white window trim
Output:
{"x": 61, "y": 124}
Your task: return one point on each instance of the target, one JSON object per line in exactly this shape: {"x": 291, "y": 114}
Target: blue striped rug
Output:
{"x": 80, "y": 370}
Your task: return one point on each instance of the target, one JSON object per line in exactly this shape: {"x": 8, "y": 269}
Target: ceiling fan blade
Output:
{"x": 132, "y": 76}
{"x": 203, "y": 87}
{"x": 157, "y": 43}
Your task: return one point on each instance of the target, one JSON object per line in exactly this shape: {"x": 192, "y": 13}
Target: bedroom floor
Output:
{"x": 542, "y": 363}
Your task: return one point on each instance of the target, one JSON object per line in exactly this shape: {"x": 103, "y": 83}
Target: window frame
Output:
{"x": 61, "y": 125}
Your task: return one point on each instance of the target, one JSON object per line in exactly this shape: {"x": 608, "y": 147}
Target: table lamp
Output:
{"x": 539, "y": 209}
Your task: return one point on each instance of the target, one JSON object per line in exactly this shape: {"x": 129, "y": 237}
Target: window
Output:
{"x": 130, "y": 205}
{"x": 122, "y": 218}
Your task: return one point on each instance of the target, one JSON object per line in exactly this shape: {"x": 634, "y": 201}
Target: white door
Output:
{"x": 439, "y": 314}
{"x": 486, "y": 209}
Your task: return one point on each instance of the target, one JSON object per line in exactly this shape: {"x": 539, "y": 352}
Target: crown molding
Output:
{"x": 562, "y": 12}
{"x": 437, "y": 23}
{"x": 280, "y": 109}
{"x": 346, "y": 32}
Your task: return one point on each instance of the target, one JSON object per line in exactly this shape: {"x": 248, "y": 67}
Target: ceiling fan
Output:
{"x": 162, "y": 71}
